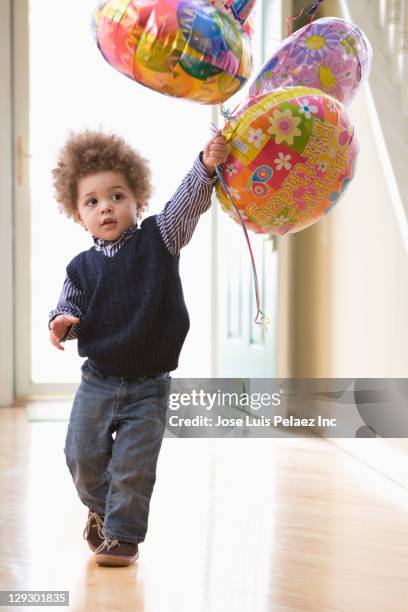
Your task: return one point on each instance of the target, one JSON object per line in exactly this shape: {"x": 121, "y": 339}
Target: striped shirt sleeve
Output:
{"x": 72, "y": 302}
{"x": 179, "y": 217}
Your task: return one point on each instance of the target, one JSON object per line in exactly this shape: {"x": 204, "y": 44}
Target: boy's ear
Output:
{"x": 77, "y": 218}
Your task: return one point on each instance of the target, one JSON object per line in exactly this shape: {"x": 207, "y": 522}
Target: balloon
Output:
{"x": 242, "y": 9}
{"x": 95, "y": 19}
{"x": 239, "y": 9}
{"x": 329, "y": 54}
{"x": 182, "y": 48}
{"x": 249, "y": 26}
{"x": 292, "y": 155}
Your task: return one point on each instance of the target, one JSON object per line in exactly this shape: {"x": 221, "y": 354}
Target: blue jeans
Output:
{"x": 115, "y": 477}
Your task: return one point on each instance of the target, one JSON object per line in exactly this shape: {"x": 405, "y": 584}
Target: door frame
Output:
{"x": 7, "y": 390}
{"x": 24, "y": 385}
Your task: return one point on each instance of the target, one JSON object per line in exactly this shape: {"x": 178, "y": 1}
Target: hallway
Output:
{"x": 250, "y": 525}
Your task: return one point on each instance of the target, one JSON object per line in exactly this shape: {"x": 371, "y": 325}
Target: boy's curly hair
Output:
{"x": 89, "y": 152}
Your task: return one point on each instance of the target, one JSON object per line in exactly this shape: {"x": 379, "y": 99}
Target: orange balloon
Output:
{"x": 292, "y": 155}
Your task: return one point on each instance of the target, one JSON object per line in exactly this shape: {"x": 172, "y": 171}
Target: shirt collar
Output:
{"x": 102, "y": 242}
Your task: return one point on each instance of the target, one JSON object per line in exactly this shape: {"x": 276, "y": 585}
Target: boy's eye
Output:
{"x": 117, "y": 197}
{"x": 92, "y": 201}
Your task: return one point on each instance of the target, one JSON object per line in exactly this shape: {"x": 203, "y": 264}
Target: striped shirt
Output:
{"x": 176, "y": 222}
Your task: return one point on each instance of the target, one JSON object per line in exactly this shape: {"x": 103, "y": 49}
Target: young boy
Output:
{"x": 123, "y": 300}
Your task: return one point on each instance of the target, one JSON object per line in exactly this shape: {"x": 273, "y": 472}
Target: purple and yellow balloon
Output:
{"x": 329, "y": 54}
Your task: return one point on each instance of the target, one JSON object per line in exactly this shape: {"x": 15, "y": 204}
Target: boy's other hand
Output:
{"x": 58, "y": 328}
{"x": 215, "y": 153}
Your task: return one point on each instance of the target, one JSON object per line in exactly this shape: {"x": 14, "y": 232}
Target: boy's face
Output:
{"x": 106, "y": 205}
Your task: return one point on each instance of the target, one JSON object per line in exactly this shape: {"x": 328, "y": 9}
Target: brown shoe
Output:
{"x": 114, "y": 552}
{"x": 93, "y": 532}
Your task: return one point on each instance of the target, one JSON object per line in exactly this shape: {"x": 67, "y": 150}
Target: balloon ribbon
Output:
{"x": 310, "y": 12}
{"x": 263, "y": 318}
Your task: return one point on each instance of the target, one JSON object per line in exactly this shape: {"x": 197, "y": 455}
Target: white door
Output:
{"x": 246, "y": 349}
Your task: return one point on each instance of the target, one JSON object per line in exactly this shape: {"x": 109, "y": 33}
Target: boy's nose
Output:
{"x": 106, "y": 206}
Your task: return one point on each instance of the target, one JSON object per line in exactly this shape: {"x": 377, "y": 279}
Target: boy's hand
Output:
{"x": 58, "y": 328}
{"x": 215, "y": 153}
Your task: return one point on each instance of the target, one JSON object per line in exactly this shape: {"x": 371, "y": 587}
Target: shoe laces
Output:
{"x": 109, "y": 543}
{"x": 99, "y": 525}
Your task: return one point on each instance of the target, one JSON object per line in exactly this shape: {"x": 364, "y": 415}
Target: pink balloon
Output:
{"x": 329, "y": 54}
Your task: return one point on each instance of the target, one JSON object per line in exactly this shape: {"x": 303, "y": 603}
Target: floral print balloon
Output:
{"x": 329, "y": 54}
{"x": 292, "y": 154}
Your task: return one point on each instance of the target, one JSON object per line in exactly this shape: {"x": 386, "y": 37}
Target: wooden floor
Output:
{"x": 252, "y": 525}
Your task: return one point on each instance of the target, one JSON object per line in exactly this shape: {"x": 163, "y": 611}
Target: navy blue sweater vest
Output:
{"x": 136, "y": 320}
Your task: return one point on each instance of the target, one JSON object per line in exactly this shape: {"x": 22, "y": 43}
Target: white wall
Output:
{"x": 369, "y": 234}
{"x": 349, "y": 286}
{"x": 6, "y": 234}
{"x": 349, "y": 293}
{"x": 369, "y": 280}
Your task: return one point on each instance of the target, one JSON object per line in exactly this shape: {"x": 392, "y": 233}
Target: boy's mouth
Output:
{"x": 108, "y": 222}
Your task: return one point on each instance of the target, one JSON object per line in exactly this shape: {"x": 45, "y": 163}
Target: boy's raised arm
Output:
{"x": 178, "y": 219}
